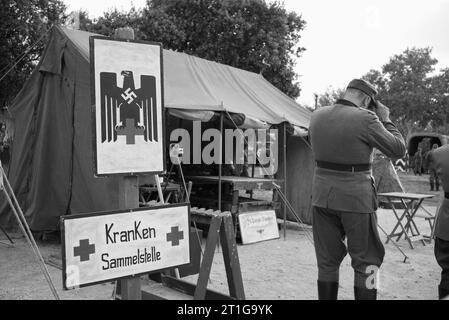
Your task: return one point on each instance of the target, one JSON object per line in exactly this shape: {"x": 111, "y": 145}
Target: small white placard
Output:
{"x": 99, "y": 247}
{"x": 258, "y": 226}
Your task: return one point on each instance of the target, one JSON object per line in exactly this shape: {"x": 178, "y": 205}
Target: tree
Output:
{"x": 22, "y": 24}
{"x": 112, "y": 20}
{"x": 329, "y": 97}
{"x": 253, "y": 35}
{"x": 409, "y": 86}
{"x": 440, "y": 101}
{"x": 405, "y": 85}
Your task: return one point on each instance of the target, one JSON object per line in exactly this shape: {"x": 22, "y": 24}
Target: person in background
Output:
{"x": 344, "y": 197}
{"x": 433, "y": 176}
{"x": 417, "y": 160}
{"x": 440, "y": 163}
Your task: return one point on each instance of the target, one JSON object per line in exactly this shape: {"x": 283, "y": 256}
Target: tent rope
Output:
{"x": 18, "y": 213}
{"x": 22, "y": 56}
{"x": 278, "y": 189}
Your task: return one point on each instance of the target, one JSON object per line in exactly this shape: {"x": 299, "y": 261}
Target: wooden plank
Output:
{"x": 129, "y": 199}
{"x": 189, "y": 289}
{"x": 416, "y": 238}
{"x": 408, "y": 196}
{"x": 206, "y": 265}
{"x": 131, "y": 289}
{"x": 238, "y": 183}
{"x": 231, "y": 258}
{"x": 159, "y": 291}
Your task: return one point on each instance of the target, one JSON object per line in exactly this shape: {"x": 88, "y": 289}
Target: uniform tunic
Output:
{"x": 344, "y": 203}
{"x": 440, "y": 162}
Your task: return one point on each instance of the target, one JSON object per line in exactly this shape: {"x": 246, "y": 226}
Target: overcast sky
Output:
{"x": 346, "y": 38}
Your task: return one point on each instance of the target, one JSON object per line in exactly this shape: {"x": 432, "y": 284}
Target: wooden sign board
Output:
{"x": 128, "y": 113}
{"x": 258, "y": 226}
{"x": 101, "y": 247}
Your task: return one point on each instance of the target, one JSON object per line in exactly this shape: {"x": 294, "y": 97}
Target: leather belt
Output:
{"x": 446, "y": 195}
{"x": 343, "y": 167}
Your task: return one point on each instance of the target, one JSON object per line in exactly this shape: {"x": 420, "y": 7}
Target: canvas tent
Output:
{"x": 51, "y": 168}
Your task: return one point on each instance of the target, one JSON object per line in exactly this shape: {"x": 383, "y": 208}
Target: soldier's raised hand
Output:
{"x": 383, "y": 112}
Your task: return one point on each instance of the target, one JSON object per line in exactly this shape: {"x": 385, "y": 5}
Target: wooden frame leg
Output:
{"x": 235, "y": 204}
{"x": 231, "y": 259}
{"x": 130, "y": 289}
{"x": 206, "y": 263}
{"x": 406, "y": 215}
{"x": 412, "y": 221}
{"x": 398, "y": 224}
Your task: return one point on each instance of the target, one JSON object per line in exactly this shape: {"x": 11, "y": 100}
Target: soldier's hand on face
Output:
{"x": 383, "y": 112}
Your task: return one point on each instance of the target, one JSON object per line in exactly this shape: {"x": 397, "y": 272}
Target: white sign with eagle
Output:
{"x": 128, "y": 106}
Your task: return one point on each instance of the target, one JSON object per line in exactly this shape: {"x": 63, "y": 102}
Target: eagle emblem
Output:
{"x": 128, "y": 111}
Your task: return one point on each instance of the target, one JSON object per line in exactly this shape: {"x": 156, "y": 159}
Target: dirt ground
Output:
{"x": 273, "y": 270}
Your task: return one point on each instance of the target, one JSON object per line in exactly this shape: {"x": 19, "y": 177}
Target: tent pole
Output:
{"x": 220, "y": 155}
{"x": 284, "y": 151}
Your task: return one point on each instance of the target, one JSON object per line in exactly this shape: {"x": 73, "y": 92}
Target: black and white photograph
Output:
{"x": 225, "y": 156}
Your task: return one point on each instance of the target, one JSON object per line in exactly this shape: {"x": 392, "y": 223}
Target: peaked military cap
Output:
{"x": 363, "y": 86}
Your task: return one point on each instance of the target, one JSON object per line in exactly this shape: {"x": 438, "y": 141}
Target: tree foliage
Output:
{"x": 416, "y": 96}
{"x": 440, "y": 101}
{"x": 329, "y": 97}
{"x": 22, "y": 24}
{"x": 254, "y": 35}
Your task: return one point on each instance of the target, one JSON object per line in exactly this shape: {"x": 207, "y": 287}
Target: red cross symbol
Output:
{"x": 130, "y": 131}
{"x": 84, "y": 250}
{"x": 174, "y": 236}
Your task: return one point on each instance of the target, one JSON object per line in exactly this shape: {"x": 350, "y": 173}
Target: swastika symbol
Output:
{"x": 129, "y": 96}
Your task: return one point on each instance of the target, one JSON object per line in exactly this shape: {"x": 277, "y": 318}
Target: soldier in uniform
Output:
{"x": 344, "y": 197}
{"x": 433, "y": 176}
{"x": 417, "y": 160}
{"x": 440, "y": 163}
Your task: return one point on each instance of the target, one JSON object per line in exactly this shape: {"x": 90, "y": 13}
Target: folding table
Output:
{"x": 410, "y": 202}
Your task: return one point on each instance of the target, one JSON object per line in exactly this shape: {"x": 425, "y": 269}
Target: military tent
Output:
{"x": 51, "y": 167}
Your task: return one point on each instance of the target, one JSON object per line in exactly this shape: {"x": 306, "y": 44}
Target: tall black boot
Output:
{"x": 442, "y": 293}
{"x": 365, "y": 294}
{"x": 431, "y": 186}
{"x": 327, "y": 290}
{"x": 438, "y": 186}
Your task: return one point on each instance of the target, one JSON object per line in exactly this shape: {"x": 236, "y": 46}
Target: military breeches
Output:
{"x": 442, "y": 256}
{"x": 330, "y": 228}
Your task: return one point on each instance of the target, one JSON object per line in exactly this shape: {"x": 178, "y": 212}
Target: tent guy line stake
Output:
{"x": 18, "y": 213}
{"x": 284, "y": 199}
